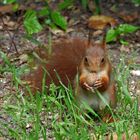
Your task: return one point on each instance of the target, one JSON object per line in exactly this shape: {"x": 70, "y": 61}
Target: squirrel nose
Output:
{"x": 93, "y": 71}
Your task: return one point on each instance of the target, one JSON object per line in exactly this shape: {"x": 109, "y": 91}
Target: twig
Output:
{"x": 11, "y": 38}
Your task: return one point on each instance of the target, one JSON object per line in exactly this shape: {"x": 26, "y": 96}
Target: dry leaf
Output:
{"x": 99, "y": 22}
{"x": 124, "y": 48}
{"x": 114, "y": 136}
{"x": 129, "y": 17}
{"x": 57, "y": 31}
{"x": 9, "y": 8}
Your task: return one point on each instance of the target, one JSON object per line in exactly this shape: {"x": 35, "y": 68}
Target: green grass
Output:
{"x": 55, "y": 114}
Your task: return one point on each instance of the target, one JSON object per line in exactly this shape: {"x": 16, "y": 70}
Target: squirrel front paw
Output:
{"x": 86, "y": 86}
{"x": 97, "y": 84}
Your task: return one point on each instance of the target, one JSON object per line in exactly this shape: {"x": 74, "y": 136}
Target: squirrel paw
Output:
{"x": 97, "y": 84}
{"x": 87, "y": 87}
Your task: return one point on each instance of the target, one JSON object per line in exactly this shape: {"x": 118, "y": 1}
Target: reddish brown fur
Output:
{"x": 68, "y": 59}
{"x": 105, "y": 81}
{"x": 65, "y": 59}
{"x": 83, "y": 79}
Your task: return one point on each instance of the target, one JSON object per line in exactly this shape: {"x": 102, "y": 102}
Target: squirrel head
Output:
{"x": 95, "y": 58}
{"x": 95, "y": 65}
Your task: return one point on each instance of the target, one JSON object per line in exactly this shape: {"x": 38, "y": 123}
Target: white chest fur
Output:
{"x": 95, "y": 100}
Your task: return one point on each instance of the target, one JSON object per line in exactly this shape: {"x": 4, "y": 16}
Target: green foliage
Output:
{"x": 9, "y": 1}
{"x": 98, "y": 9}
{"x": 123, "y": 42}
{"x": 52, "y": 18}
{"x": 136, "y": 1}
{"x": 43, "y": 12}
{"x": 84, "y": 3}
{"x": 121, "y": 29}
{"x": 65, "y": 4}
{"x": 58, "y": 19}
{"x": 126, "y": 28}
{"x": 31, "y": 22}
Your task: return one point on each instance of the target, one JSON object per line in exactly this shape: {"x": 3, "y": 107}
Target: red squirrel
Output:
{"x": 87, "y": 60}
{"x": 95, "y": 74}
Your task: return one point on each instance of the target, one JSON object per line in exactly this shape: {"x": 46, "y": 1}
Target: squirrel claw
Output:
{"x": 97, "y": 84}
{"x": 87, "y": 87}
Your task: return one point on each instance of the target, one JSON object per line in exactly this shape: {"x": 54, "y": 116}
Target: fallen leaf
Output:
{"x": 99, "y": 22}
{"x": 23, "y": 57}
{"x": 57, "y": 31}
{"x": 10, "y": 8}
{"x": 72, "y": 22}
{"x": 124, "y": 48}
{"x": 114, "y": 136}
{"x": 129, "y": 17}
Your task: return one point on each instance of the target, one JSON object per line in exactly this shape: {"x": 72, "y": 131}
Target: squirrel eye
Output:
{"x": 86, "y": 60}
{"x": 102, "y": 60}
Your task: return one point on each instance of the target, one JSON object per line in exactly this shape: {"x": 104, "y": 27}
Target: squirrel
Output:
{"x": 95, "y": 76}
{"x": 84, "y": 64}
